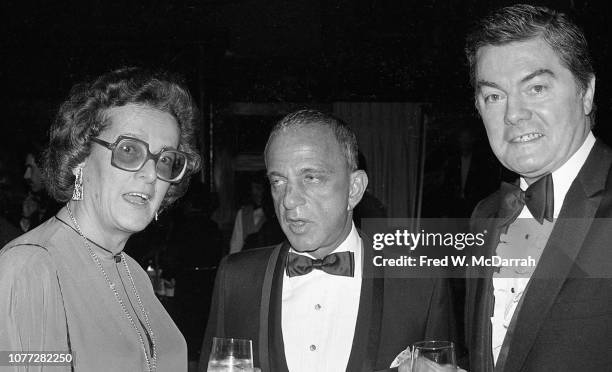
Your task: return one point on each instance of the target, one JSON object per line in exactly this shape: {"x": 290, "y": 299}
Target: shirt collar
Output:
{"x": 564, "y": 176}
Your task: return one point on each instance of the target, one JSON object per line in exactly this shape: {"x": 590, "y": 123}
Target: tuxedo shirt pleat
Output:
{"x": 525, "y": 239}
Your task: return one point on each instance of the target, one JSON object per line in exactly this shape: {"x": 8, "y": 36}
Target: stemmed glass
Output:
{"x": 428, "y": 356}
{"x": 230, "y": 354}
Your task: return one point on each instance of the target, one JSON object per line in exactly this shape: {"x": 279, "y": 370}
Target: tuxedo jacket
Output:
{"x": 563, "y": 321}
{"x": 393, "y": 313}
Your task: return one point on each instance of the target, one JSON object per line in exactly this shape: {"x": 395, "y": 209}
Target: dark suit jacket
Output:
{"x": 564, "y": 319}
{"x": 393, "y": 313}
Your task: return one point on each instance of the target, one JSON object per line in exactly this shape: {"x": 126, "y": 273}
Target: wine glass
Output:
{"x": 230, "y": 354}
{"x": 433, "y": 356}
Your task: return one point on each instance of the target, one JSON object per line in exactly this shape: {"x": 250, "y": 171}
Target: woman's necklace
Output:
{"x": 150, "y": 361}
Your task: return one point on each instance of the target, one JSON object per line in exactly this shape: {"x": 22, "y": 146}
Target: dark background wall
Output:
{"x": 261, "y": 51}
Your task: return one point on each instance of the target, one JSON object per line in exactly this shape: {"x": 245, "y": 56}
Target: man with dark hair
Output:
{"x": 316, "y": 302}
{"x": 534, "y": 85}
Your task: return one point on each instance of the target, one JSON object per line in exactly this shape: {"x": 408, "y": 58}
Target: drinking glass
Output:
{"x": 230, "y": 354}
{"x": 430, "y": 356}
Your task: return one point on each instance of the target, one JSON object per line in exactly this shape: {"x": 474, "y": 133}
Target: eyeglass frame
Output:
{"x": 155, "y": 157}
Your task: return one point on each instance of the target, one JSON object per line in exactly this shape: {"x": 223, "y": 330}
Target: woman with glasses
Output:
{"x": 121, "y": 150}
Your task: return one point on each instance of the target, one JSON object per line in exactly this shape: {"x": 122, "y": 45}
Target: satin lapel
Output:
{"x": 270, "y": 319}
{"x": 480, "y": 300}
{"x": 367, "y": 329}
{"x": 565, "y": 242}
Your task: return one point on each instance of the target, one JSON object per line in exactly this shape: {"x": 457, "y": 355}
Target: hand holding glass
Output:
{"x": 433, "y": 356}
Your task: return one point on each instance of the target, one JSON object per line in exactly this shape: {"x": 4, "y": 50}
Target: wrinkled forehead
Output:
{"x": 155, "y": 127}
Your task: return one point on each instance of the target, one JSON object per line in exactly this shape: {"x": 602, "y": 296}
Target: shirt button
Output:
{"x": 312, "y": 348}
{"x": 317, "y": 307}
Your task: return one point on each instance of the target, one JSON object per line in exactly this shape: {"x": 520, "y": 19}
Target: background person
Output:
{"x": 121, "y": 149}
{"x": 37, "y": 206}
{"x": 255, "y": 225}
{"x": 8, "y": 231}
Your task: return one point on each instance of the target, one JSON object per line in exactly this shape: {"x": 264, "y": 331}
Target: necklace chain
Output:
{"x": 151, "y": 362}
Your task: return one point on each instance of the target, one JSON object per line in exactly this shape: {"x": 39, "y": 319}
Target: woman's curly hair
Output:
{"x": 84, "y": 115}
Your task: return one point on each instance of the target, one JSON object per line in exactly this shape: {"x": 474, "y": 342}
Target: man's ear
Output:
{"x": 587, "y": 96}
{"x": 359, "y": 184}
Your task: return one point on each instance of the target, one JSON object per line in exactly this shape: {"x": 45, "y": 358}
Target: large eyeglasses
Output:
{"x": 131, "y": 154}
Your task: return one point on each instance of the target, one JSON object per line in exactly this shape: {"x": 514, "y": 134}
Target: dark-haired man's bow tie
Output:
{"x": 341, "y": 263}
{"x": 539, "y": 198}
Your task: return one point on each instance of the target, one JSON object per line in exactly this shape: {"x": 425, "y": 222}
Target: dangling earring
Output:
{"x": 156, "y": 216}
{"x": 77, "y": 193}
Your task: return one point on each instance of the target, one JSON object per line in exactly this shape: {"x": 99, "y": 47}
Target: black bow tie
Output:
{"x": 539, "y": 198}
{"x": 341, "y": 263}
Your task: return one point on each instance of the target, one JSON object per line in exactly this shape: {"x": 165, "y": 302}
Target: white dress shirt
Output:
{"x": 319, "y": 314}
{"x": 508, "y": 291}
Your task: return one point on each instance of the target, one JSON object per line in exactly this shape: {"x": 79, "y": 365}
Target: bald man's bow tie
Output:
{"x": 341, "y": 263}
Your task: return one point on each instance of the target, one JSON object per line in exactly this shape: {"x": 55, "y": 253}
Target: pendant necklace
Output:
{"x": 151, "y": 362}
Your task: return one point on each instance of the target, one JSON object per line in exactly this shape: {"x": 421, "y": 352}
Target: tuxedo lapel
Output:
{"x": 567, "y": 237}
{"x": 271, "y": 325}
{"x": 480, "y": 296}
{"x": 367, "y": 328}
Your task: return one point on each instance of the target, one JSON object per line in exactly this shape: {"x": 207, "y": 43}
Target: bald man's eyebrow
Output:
{"x": 485, "y": 83}
{"x": 542, "y": 71}
{"x": 274, "y": 174}
{"x": 316, "y": 171}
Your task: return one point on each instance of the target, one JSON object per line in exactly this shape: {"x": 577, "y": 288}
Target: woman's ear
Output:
{"x": 81, "y": 165}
